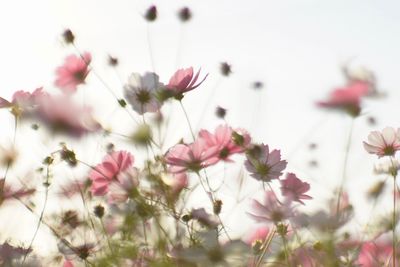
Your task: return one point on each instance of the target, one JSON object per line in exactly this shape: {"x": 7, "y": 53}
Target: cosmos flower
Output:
{"x": 271, "y": 210}
{"x": 140, "y": 92}
{"x": 121, "y": 189}
{"x": 385, "y": 143}
{"x": 61, "y": 114}
{"x": 293, "y": 188}
{"x": 184, "y": 80}
{"x": 263, "y": 164}
{"x": 375, "y": 253}
{"x": 258, "y": 234}
{"x": 22, "y": 101}
{"x": 192, "y": 157}
{"x": 224, "y": 142}
{"x": 73, "y": 72}
{"x": 110, "y": 169}
{"x": 347, "y": 98}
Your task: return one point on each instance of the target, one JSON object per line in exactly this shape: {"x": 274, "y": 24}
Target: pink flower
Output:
{"x": 293, "y": 188}
{"x": 226, "y": 141}
{"x": 176, "y": 182}
{"x": 22, "y": 100}
{"x": 374, "y": 253}
{"x": 271, "y": 210}
{"x": 109, "y": 170}
{"x": 257, "y": 235}
{"x": 68, "y": 263}
{"x": 61, "y": 114}
{"x": 264, "y": 165}
{"x": 73, "y": 72}
{"x": 9, "y": 193}
{"x": 384, "y": 143}
{"x": 193, "y": 157}
{"x": 183, "y": 81}
{"x": 122, "y": 188}
{"x": 347, "y": 98}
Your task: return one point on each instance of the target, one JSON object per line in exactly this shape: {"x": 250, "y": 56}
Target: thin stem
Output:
{"x": 344, "y": 170}
{"x": 394, "y": 174}
{"x": 187, "y": 119}
{"x": 265, "y": 248}
{"x": 40, "y": 217}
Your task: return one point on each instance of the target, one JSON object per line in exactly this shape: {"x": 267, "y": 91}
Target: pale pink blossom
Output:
{"x": 263, "y": 164}
{"x": 184, "y": 80}
{"x": 22, "y": 100}
{"x": 347, "y": 98}
{"x": 68, "y": 263}
{"x": 8, "y": 192}
{"x": 177, "y": 182}
{"x": 271, "y": 210}
{"x": 193, "y": 157}
{"x": 73, "y": 72}
{"x": 224, "y": 141}
{"x": 293, "y": 188}
{"x": 375, "y": 253}
{"x": 121, "y": 188}
{"x": 385, "y": 143}
{"x": 141, "y": 92}
{"x": 61, "y": 114}
{"x": 258, "y": 234}
{"x": 109, "y": 170}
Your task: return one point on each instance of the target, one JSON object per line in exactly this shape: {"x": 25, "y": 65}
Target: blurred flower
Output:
{"x": 375, "y": 253}
{"x": 347, "y": 98}
{"x": 7, "y": 192}
{"x": 223, "y": 143}
{"x": 61, "y": 114}
{"x": 258, "y": 234}
{"x": 122, "y": 188}
{"x": 271, "y": 210}
{"x": 390, "y": 166}
{"x": 9, "y": 253}
{"x": 193, "y": 157}
{"x": 22, "y": 101}
{"x": 140, "y": 92}
{"x": 209, "y": 252}
{"x": 293, "y": 188}
{"x": 385, "y": 143}
{"x": 73, "y": 72}
{"x": 183, "y": 81}
{"x": 176, "y": 182}
{"x": 264, "y": 165}
{"x": 110, "y": 169}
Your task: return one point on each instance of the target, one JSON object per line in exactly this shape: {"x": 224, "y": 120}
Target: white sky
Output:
{"x": 294, "y": 47}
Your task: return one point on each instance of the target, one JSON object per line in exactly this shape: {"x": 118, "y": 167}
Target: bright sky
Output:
{"x": 294, "y": 47}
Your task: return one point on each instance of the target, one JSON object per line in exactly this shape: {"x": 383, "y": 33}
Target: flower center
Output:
{"x": 262, "y": 169}
{"x": 224, "y": 153}
{"x": 143, "y": 96}
{"x": 389, "y": 151}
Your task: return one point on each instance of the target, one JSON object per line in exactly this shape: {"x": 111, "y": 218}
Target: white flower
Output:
{"x": 387, "y": 167}
{"x": 140, "y": 92}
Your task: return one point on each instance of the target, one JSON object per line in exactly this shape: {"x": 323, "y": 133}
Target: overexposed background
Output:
{"x": 294, "y": 47}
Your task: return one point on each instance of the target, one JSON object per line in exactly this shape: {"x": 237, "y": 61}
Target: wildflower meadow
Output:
{"x": 199, "y": 134}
